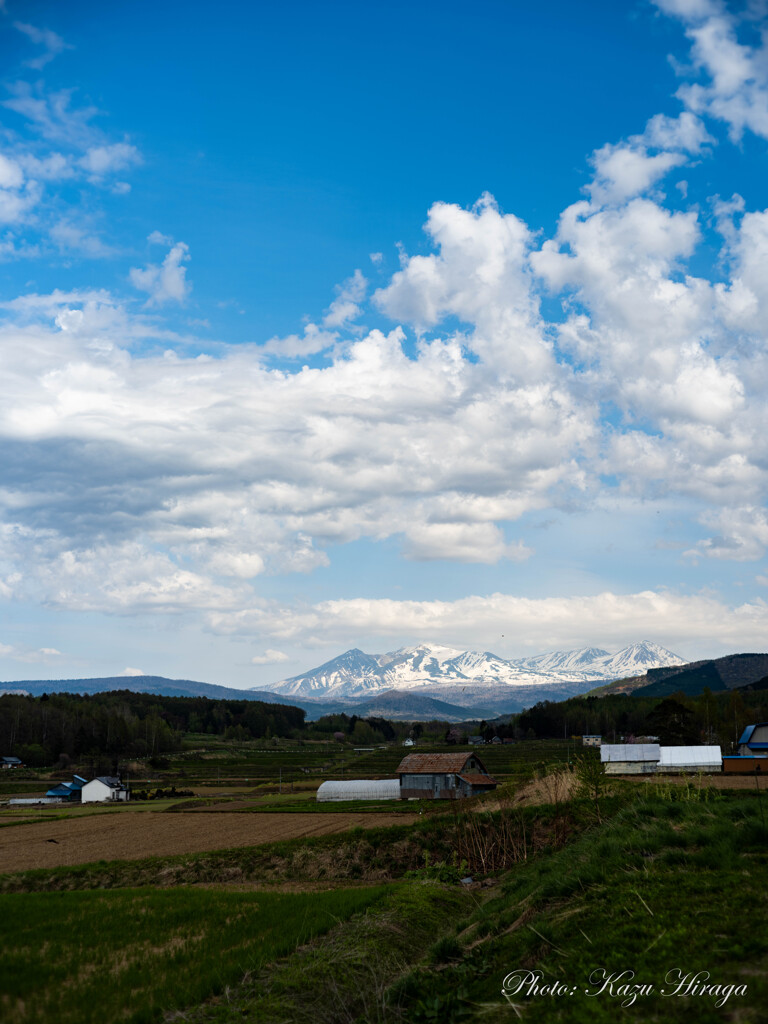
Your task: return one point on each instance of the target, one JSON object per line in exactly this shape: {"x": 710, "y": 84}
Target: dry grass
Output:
{"x": 131, "y": 837}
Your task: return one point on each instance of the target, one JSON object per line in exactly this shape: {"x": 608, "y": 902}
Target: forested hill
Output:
{"x": 729, "y": 673}
{"x": 138, "y": 684}
{"x": 41, "y": 729}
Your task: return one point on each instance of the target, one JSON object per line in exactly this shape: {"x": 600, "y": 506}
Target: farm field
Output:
{"x": 132, "y": 955}
{"x": 122, "y": 835}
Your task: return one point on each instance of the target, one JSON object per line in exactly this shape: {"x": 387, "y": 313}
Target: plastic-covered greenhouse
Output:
{"x": 360, "y": 789}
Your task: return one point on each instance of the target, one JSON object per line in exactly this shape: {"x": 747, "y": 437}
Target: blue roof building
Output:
{"x": 754, "y": 739}
{"x": 69, "y": 791}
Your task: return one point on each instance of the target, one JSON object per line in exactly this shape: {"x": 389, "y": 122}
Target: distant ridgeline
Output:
{"x": 703, "y": 702}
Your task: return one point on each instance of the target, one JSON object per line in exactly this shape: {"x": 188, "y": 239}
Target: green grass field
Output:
{"x": 129, "y": 955}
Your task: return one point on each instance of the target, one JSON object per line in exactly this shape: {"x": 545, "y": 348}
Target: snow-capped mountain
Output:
{"x": 356, "y": 675}
{"x": 566, "y": 661}
{"x": 638, "y": 658}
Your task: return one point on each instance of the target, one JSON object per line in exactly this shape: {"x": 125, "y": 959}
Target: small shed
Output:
{"x": 690, "y": 759}
{"x": 104, "y": 789}
{"x": 359, "y": 789}
{"x": 11, "y": 762}
{"x": 443, "y": 776}
{"x": 591, "y": 740}
{"x": 630, "y": 758}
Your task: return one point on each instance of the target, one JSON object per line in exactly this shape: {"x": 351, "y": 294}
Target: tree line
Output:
{"x": 716, "y": 718}
{"x": 118, "y": 723}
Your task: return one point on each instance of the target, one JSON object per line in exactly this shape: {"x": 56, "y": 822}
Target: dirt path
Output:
{"x": 133, "y": 836}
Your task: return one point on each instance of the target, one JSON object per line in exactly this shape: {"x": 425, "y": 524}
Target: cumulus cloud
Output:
{"x": 144, "y": 481}
{"x": 167, "y": 281}
{"x": 735, "y": 87}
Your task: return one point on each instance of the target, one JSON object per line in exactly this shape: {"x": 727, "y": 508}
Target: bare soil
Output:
{"x": 132, "y": 836}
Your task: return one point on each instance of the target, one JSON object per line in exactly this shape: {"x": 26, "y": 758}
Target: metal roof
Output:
{"x": 109, "y": 780}
{"x": 630, "y": 752}
{"x": 692, "y": 756}
{"x": 478, "y": 780}
{"x": 745, "y": 736}
{"x": 429, "y": 763}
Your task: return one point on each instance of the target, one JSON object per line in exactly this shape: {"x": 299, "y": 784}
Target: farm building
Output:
{"x": 10, "y": 762}
{"x": 104, "y": 789}
{"x": 745, "y": 764}
{"x": 359, "y": 789}
{"x": 649, "y": 758}
{"x": 754, "y": 740}
{"x": 690, "y": 759}
{"x": 68, "y": 792}
{"x": 591, "y": 741}
{"x": 630, "y": 758}
{"x": 443, "y": 776}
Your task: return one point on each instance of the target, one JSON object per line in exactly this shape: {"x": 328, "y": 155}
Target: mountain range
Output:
{"x": 471, "y": 679}
{"x": 413, "y": 683}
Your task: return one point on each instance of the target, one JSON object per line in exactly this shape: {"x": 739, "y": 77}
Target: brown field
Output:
{"x": 132, "y": 836}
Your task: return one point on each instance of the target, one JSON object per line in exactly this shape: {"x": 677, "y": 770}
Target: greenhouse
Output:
{"x": 360, "y": 789}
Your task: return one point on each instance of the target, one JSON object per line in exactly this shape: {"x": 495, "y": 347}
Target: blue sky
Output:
{"x": 329, "y": 326}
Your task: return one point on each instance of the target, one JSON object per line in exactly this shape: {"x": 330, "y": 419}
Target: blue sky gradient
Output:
{"x": 332, "y": 326}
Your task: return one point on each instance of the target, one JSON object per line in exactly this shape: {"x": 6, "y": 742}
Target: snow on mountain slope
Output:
{"x": 566, "y": 661}
{"x": 638, "y": 658}
{"x": 356, "y": 674}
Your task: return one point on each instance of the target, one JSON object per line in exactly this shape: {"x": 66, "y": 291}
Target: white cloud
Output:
{"x": 52, "y": 43}
{"x": 165, "y": 282}
{"x": 132, "y": 672}
{"x": 313, "y": 340}
{"x": 99, "y": 161}
{"x": 345, "y": 306}
{"x": 76, "y": 238}
{"x": 270, "y": 657}
{"x": 532, "y": 624}
{"x": 461, "y": 542}
{"x": 736, "y": 91}
{"x": 11, "y": 175}
{"x": 53, "y": 115}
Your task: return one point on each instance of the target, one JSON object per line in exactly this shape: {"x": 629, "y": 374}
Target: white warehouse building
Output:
{"x": 650, "y": 758}
{"x": 630, "y": 758}
{"x": 690, "y": 759}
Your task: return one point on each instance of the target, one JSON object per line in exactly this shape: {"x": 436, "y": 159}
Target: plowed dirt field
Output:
{"x": 126, "y": 836}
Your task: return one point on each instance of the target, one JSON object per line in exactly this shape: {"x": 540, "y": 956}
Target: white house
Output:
{"x": 104, "y": 789}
